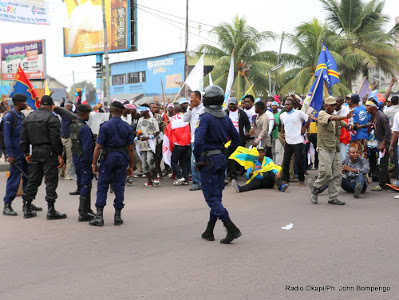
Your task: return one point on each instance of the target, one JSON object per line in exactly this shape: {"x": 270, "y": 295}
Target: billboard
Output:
{"x": 30, "y": 55}
{"x": 86, "y": 35}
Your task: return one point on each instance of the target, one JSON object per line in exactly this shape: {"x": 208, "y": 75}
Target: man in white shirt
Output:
{"x": 249, "y": 109}
{"x": 342, "y": 110}
{"x": 293, "y": 124}
{"x": 192, "y": 114}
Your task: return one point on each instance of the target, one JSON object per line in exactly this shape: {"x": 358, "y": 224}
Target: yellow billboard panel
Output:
{"x": 86, "y": 34}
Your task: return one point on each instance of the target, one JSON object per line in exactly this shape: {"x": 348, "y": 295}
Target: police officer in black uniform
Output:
{"x": 41, "y": 129}
{"x": 213, "y": 130}
{"x": 82, "y": 150}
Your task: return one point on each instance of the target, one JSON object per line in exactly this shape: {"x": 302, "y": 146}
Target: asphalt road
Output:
{"x": 158, "y": 252}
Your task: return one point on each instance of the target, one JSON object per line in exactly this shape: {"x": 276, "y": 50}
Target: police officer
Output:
{"x": 41, "y": 129}
{"x": 115, "y": 139}
{"x": 82, "y": 150}
{"x": 12, "y": 124}
{"x": 214, "y": 129}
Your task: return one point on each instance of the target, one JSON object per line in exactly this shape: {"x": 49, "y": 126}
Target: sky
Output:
{"x": 157, "y": 36}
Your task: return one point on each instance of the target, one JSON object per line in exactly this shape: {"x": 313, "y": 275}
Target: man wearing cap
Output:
{"x": 382, "y": 133}
{"x": 41, "y": 129}
{"x": 191, "y": 116}
{"x": 184, "y": 105}
{"x": 115, "y": 139}
{"x": 82, "y": 149}
{"x": 330, "y": 165}
{"x": 241, "y": 123}
{"x": 12, "y": 124}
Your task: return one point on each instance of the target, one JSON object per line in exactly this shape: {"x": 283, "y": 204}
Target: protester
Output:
{"x": 360, "y": 117}
{"x": 382, "y": 132}
{"x": 191, "y": 116}
{"x": 344, "y": 140}
{"x": 265, "y": 175}
{"x": 293, "y": 125}
{"x": 277, "y": 149}
{"x": 154, "y": 108}
{"x": 241, "y": 123}
{"x": 149, "y": 130}
{"x": 260, "y": 128}
{"x": 66, "y": 122}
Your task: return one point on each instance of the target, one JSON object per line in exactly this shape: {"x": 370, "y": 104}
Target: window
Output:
{"x": 136, "y": 77}
{"x": 118, "y": 79}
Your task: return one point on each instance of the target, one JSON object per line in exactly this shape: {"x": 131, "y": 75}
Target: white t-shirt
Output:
{"x": 395, "y": 123}
{"x": 234, "y": 116}
{"x": 343, "y": 112}
{"x": 271, "y": 121}
{"x": 250, "y": 112}
{"x": 292, "y": 122}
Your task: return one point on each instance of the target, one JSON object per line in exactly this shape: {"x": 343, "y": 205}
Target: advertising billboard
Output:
{"x": 30, "y": 55}
{"x": 86, "y": 35}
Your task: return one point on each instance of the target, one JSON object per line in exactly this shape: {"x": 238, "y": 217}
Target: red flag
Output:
{"x": 22, "y": 85}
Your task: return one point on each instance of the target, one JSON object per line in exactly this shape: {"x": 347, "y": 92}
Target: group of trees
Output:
{"x": 354, "y": 34}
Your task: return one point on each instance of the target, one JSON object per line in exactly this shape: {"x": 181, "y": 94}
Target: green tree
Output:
{"x": 251, "y": 65}
{"x": 90, "y": 91}
{"x": 361, "y": 39}
{"x": 306, "y": 42}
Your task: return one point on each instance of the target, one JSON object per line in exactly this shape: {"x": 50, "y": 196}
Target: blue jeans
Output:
{"x": 349, "y": 186}
{"x": 344, "y": 150}
{"x": 194, "y": 172}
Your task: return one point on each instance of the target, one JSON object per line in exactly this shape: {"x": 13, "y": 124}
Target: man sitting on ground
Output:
{"x": 265, "y": 175}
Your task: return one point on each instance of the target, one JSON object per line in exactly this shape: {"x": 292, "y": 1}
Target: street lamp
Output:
{"x": 270, "y": 80}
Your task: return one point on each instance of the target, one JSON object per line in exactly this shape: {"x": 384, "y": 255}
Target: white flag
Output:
{"x": 230, "y": 79}
{"x": 196, "y": 78}
{"x": 210, "y": 79}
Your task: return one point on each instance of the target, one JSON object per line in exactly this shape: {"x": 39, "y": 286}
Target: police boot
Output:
{"x": 83, "y": 212}
{"x": 77, "y": 192}
{"x": 8, "y": 211}
{"x": 52, "y": 214}
{"x": 35, "y": 208}
{"x": 91, "y": 214}
{"x": 28, "y": 213}
{"x": 232, "y": 232}
{"x": 208, "y": 233}
{"x": 117, "y": 218}
{"x": 99, "y": 219}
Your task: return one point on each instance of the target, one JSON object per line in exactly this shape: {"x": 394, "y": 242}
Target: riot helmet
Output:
{"x": 213, "y": 95}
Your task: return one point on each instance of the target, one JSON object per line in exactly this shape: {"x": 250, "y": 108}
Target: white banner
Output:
{"x": 34, "y": 12}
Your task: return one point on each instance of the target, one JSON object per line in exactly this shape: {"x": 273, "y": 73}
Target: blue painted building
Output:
{"x": 145, "y": 75}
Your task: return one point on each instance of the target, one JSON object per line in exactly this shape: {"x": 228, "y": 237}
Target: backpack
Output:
{"x": 14, "y": 123}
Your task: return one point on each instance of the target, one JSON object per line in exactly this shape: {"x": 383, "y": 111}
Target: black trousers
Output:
{"x": 383, "y": 167}
{"x": 265, "y": 183}
{"x": 297, "y": 151}
{"x": 180, "y": 161}
{"x": 39, "y": 167}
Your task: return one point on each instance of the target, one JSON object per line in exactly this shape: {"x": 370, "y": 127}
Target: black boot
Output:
{"x": 83, "y": 212}
{"x": 27, "y": 207}
{"x": 117, "y": 218}
{"x": 91, "y": 214}
{"x": 208, "y": 233}
{"x": 99, "y": 219}
{"x": 75, "y": 193}
{"x": 52, "y": 214}
{"x": 232, "y": 232}
{"x": 8, "y": 211}
{"x": 35, "y": 208}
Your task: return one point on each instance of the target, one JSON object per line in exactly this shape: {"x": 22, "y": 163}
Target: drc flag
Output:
{"x": 327, "y": 65}
{"x": 23, "y": 86}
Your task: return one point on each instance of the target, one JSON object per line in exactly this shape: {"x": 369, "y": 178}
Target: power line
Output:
{"x": 140, "y": 5}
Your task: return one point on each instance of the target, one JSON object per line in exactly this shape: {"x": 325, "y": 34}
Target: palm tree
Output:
{"x": 361, "y": 40}
{"x": 250, "y": 64}
{"x": 306, "y": 42}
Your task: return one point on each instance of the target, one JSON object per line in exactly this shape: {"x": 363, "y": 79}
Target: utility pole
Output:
{"x": 278, "y": 62}
{"x": 186, "y": 52}
{"x": 73, "y": 76}
{"x": 106, "y": 58}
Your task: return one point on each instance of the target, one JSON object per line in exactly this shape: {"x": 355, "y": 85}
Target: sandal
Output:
{"x": 376, "y": 189}
{"x": 156, "y": 182}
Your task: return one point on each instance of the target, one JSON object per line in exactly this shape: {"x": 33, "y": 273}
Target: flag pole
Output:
{"x": 177, "y": 95}
{"x": 361, "y": 86}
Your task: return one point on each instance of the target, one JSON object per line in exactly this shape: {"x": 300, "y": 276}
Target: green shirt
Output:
{"x": 328, "y": 132}
{"x": 276, "y": 125}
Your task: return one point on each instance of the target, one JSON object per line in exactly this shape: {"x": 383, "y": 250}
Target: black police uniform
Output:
{"x": 41, "y": 129}
{"x": 213, "y": 131}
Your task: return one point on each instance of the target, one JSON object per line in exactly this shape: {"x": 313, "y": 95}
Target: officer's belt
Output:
{"x": 212, "y": 152}
{"x": 115, "y": 149}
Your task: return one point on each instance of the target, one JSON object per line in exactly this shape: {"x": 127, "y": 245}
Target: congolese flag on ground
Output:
{"x": 23, "y": 86}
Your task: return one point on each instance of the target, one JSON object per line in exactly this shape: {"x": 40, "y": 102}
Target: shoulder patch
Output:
{"x": 198, "y": 122}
